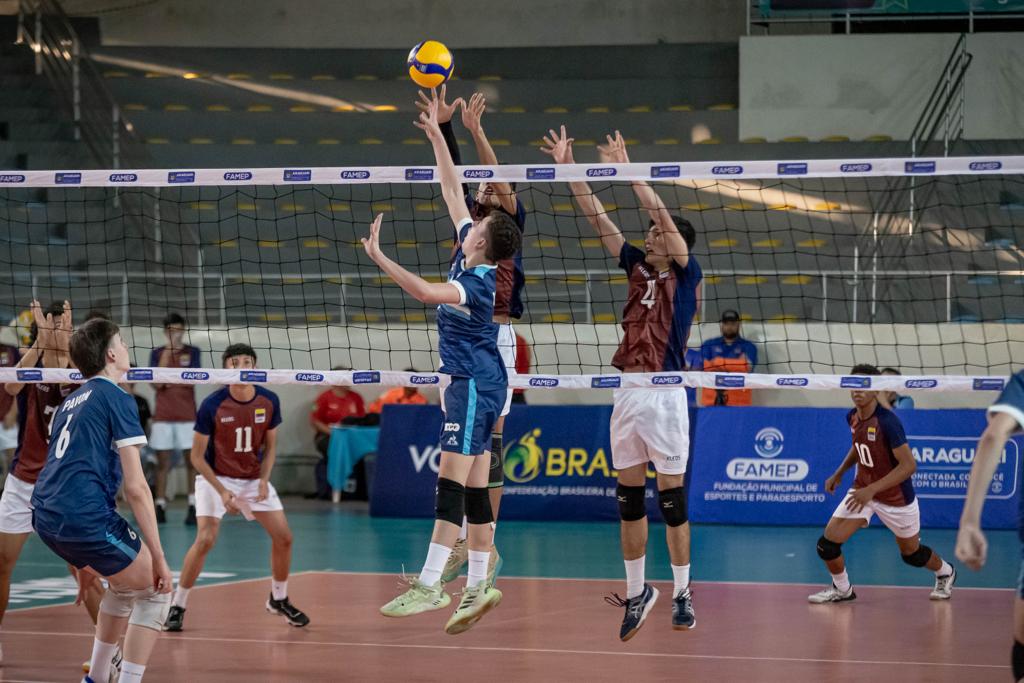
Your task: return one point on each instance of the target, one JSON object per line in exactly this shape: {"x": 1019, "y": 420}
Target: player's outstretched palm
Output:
{"x": 372, "y": 243}
{"x": 429, "y": 121}
{"x": 445, "y": 111}
{"x": 559, "y": 146}
{"x": 473, "y": 112}
{"x": 971, "y": 546}
{"x": 614, "y": 151}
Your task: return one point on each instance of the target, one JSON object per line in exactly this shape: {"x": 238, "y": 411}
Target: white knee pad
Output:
{"x": 117, "y": 603}
{"x": 150, "y": 609}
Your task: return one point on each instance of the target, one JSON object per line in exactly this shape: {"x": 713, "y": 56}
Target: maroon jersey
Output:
{"x": 658, "y": 314}
{"x": 237, "y": 431}
{"x": 874, "y": 441}
{"x": 175, "y": 402}
{"x": 8, "y": 359}
{"x": 36, "y": 405}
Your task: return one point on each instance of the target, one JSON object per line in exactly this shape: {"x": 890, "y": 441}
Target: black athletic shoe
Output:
{"x": 175, "y": 619}
{"x": 286, "y": 609}
{"x": 682, "y": 611}
{"x": 190, "y": 518}
{"x": 637, "y": 610}
{"x": 161, "y": 514}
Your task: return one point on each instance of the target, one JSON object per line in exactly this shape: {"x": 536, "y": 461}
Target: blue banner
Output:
{"x": 772, "y": 466}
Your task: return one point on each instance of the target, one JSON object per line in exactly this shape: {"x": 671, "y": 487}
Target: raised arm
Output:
{"x": 44, "y": 340}
{"x": 471, "y": 115}
{"x": 445, "y": 112}
{"x": 615, "y": 152}
{"x": 414, "y": 285}
{"x": 451, "y": 189}
{"x": 559, "y": 147}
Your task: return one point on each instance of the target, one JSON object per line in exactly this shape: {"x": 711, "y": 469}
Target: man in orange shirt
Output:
{"x": 399, "y": 395}
{"x": 729, "y": 353}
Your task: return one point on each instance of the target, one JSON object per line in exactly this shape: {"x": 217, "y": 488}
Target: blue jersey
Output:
{"x": 1011, "y": 402}
{"x": 511, "y": 277}
{"x": 467, "y": 333}
{"x": 74, "y": 496}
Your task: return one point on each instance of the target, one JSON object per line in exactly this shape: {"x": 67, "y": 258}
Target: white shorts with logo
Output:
{"x": 8, "y": 438}
{"x": 507, "y": 349}
{"x": 171, "y": 436}
{"x": 209, "y": 503}
{"x": 904, "y": 521}
{"x": 16, "y": 507}
{"x": 651, "y": 425}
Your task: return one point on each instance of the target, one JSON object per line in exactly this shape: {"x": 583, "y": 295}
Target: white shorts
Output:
{"x": 16, "y": 507}
{"x": 171, "y": 436}
{"x": 651, "y": 425}
{"x": 209, "y": 503}
{"x": 507, "y": 349}
{"x": 8, "y": 438}
{"x": 904, "y": 521}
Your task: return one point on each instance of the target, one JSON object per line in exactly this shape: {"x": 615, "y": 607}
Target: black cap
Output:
{"x": 730, "y": 316}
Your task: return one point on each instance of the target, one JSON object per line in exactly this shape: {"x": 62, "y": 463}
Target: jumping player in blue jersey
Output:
{"x": 471, "y": 401}
{"x": 96, "y": 436}
{"x": 1005, "y": 419}
{"x": 648, "y": 426}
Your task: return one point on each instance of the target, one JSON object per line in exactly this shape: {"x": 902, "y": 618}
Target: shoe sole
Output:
{"x": 462, "y": 626}
{"x": 447, "y": 600}
{"x": 682, "y": 627}
{"x": 643, "y": 617}
{"x": 853, "y": 596}
{"x": 286, "y": 617}
{"x": 172, "y": 629}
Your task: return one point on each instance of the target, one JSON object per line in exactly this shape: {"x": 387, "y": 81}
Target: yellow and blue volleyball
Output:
{"x": 430, "y": 64}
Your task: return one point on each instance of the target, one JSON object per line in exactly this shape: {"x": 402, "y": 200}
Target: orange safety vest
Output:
{"x": 731, "y": 397}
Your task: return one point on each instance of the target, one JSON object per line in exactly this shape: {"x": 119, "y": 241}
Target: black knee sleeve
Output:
{"x": 496, "y": 477}
{"x": 451, "y": 501}
{"x": 829, "y": 550}
{"x": 919, "y": 557}
{"x": 1017, "y": 660}
{"x": 673, "y": 506}
{"x": 478, "y": 506}
{"x": 631, "y": 502}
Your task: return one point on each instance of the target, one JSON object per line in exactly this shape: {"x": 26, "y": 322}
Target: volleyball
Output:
{"x": 430, "y": 64}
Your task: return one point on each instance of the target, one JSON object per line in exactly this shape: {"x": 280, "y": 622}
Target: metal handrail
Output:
{"x": 851, "y": 16}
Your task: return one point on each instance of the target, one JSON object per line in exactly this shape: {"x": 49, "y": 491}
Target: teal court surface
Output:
{"x": 750, "y": 588}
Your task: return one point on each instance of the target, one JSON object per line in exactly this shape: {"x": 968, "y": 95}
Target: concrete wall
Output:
{"x": 403, "y": 23}
{"x": 864, "y": 85}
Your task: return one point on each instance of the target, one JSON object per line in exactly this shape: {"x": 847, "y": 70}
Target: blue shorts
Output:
{"x": 1011, "y": 401}
{"x": 107, "y": 557}
{"x": 1020, "y": 576}
{"x": 469, "y": 416}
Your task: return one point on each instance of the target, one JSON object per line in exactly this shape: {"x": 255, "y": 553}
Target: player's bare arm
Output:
{"x": 451, "y": 189}
{"x": 414, "y": 285}
{"x": 44, "y": 338}
{"x": 559, "y": 147}
{"x": 472, "y": 113}
{"x": 905, "y": 468}
{"x": 849, "y": 461}
{"x": 267, "y": 464}
{"x": 137, "y": 492}
{"x": 198, "y": 460}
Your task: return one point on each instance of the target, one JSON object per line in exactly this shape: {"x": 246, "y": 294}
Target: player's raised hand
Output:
{"x": 473, "y": 112}
{"x": 372, "y": 243}
{"x": 62, "y": 331}
{"x": 445, "y": 111}
{"x": 429, "y": 121}
{"x": 559, "y": 146}
{"x": 971, "y": 546}
{"x": 614, "y": 151}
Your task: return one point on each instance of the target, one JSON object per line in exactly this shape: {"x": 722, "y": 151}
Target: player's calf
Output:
{"x": 840, "y": 590}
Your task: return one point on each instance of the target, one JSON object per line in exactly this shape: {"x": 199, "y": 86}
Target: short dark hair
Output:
{"x": 864, "y": 369}
{"x": 56, "y": 309}
{"x": 685, "y": 229}
{"x": 174, "y": 319}
{"x": 239, "y": 349}
{"x": 89, "y": 345}
{"x": 890, "y": 371}
{"x": 95, "y": 314}
{"x": 503, "y": 237}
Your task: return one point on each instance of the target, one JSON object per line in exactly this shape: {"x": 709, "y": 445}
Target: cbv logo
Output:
{"x": 730, "y": 381}
{"x": 309, "y": 377}
{"x": 726, "y": 170}
{"x": 181, "y": 177}
{"x": 601, "y": 172}
{"x": 791, "y": 382}
{"x": 252, "y": 376}
{"x": 140, "y": 375}
{"x": 366, "y": 377}
{"x": 194, "y": 375}
{"x": 919, "y": 167}
{"x": 666, "y": 379}
{"x": 605, "y": 382}
{"x": 419, "y": 174}
{"x": 543, "y": 382}
{"x": 665, "y": 171}
{"x": 430, "y": 456}
{"x": 857, "y": 382}
{"x": 792, "y": 169}
{"x": 985, "y": 165}
{"x": 355, "y": 175}
{"x": 921, "y": 383}
{"x": 298, "y": 174}
{"x": 424, "y": 379}
{"x": 477, "y": 173}
{"x": 68, "y": 178}
{"x": 855, "y": 168}
{"x": 30, "y": 375}
{"x": 540, "y": 174}
{"x": 989, "y": 384}
{"x": 238, "y": 175}
{"x": 123, "y": 177}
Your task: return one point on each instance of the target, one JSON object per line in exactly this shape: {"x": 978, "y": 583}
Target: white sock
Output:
{"x": 433, "y": 566}
{"x": 634, "y": 577}
{"x": 842, "y": 581}
{"x": 130, "y": 672}
{"x": 192, "y": 499}
{"x": 464, "y": 531}
{"x": 680, "y": 578}
{"x": 279, "y": 589}
{"x": 477, "y": 567}
{"x": 99, "y": 665}
{"x": 162, "y": 502}
{"x": 180, "y": 598}
{"x": 945, "y": 570}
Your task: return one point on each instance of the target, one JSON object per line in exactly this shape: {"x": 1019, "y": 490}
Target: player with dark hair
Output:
{"x": 488, "y": 197}
{"x": 1005, "y": 419}
{"x": 883, "y": 487}
{"x": 234, "y": 449}
{"x": 174, "y": 415}
{"x": 471, "y": 401}
{"x": 648, "y": 425}
{"x": 96, "y": 439}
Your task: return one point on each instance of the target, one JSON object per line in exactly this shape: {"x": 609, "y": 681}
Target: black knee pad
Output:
{"x": 451, "y": 501}
{"x": 631, "y": 502}
{"x": 829, "y": 550}
{"x": 919, "y": 557}
{"x": 496, "y": 477}
{"x": 478, "y": 506}
{"x": 1017, "y": 660}
{"x": 673, "y": 506}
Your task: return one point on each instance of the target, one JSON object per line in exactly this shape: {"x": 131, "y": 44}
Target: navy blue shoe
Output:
{"x": 682, "y": 611}
{"x": 637, "y": 610}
